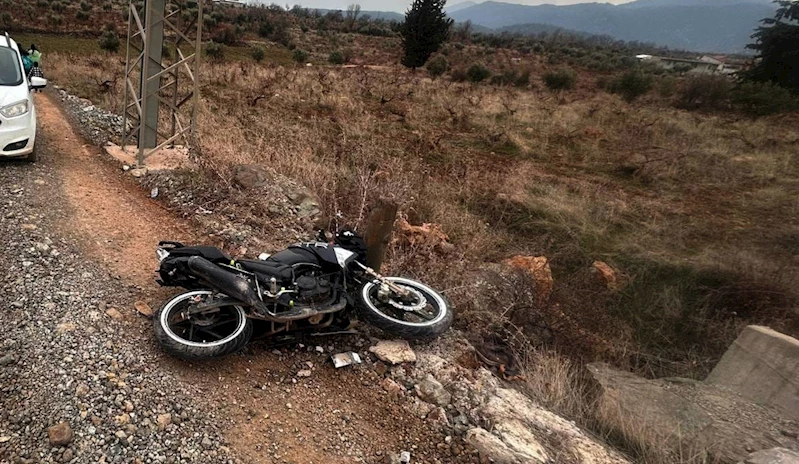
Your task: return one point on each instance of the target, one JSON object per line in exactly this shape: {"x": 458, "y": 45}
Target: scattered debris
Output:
{"x": 143, "y": 308}
{"x": 405, "y": 457}
{"x": 345, "y": 359}
{"x": 393, "y": 351}
{"x": 138, "y": 172}
{"x": 154, "y": 192}
{"x": 304, "y": 373}
{"x": 319, "y": 349}
{"x": 4, "y": 439}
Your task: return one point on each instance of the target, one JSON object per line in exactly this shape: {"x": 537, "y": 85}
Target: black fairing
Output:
{"x": 318, "y": 253}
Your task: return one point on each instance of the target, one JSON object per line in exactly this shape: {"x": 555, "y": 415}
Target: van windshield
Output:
{"x": 10, "y": 74}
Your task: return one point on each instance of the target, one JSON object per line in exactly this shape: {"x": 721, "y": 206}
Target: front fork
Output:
{"x": 386, "y": 286}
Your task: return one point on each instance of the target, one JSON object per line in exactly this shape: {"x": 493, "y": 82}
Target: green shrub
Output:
{"x": 512, "y": 77}
{"x": 437, "y": 66}
{"x": 562, "y": 79}
{"x": 704, "y": 92}
{"x": 265, "y": 29}
{"x": 82, "y": 15}
{"x": 215, "y": 51}
{"x": 109, "y": 41}
{"x": 300, "y": 56}
{"x": 763, "y": 98}
{"x": 227, "y": 34}
{"x": 631, "y": 85}
{"x": 85, "y": 6}
{"x": 522, "y": 79}
{"x": 54, "y": 19}
{"x": 58, "y": 7}
{"x": 42, "y": 3}
{"x": 667, "y": 86}
{"x": 258, "y": 54}
{"x": 458, "y": 75}
{"x": 477, "y": 73}
{"x": 339, "y": 57}
{"x": 108, "y": 6}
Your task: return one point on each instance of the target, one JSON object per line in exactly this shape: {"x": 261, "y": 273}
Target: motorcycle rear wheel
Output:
{"x": 201, "y": 336}
{"x": 424, "y": 323}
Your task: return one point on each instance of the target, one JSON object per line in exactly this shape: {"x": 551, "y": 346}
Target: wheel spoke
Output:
{"x": 210, "y": 332}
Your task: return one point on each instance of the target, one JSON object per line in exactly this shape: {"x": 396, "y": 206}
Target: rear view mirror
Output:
{"x": 38, "y": 83}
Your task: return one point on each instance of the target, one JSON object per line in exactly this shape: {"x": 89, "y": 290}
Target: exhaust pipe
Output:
{"x": 226, "y": 282}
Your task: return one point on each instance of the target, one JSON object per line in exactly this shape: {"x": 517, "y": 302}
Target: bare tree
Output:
{"x": 352, "y": 16}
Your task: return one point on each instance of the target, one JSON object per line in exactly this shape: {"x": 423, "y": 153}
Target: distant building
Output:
{"x": 233, "y": 3}
{"x": 706, "y": 64}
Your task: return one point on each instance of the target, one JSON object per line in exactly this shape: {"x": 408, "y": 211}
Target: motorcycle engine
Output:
{"x": 313, "y": 289}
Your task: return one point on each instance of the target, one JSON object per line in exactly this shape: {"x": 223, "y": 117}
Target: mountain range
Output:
{"x": 722, "y": 26}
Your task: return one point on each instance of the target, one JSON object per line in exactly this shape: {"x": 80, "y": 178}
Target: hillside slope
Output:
{"x": 705, "y": 27}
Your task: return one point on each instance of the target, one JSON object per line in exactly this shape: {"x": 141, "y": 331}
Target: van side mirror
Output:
{"x": 38, "y": 83}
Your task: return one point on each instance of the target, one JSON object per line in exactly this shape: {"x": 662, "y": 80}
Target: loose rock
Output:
{"x": 60, "y": 434}
{"x": 393, "y": 351}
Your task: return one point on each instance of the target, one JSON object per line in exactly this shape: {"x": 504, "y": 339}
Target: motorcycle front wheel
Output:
{"x": 200, "y": 336}
{"x": 425, "y": 314}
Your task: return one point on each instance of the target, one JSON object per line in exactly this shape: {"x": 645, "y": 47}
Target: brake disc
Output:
{"x": 421, "y": 301}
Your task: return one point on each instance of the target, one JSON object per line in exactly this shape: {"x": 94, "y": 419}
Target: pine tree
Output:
{"x": 777, "y": 45}
{"x": 425, "y": 28}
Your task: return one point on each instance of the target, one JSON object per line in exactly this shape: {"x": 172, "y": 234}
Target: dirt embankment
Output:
{"x": 267, "y": 413}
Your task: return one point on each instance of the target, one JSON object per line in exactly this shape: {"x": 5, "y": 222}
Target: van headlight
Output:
{"x": 15, "y": 109}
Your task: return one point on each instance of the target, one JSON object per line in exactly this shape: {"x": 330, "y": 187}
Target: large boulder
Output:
{"x": 686, "y": 416}
{"x": 773, "y": 456}
{"x": 494, "y": 450}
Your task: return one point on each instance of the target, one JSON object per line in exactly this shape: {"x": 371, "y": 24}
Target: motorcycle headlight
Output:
{"x": 15, "y": 109}
{"x": 162, "y": 254}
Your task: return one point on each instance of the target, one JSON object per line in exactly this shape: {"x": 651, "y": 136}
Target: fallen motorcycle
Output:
{"x": 315, "y": 287}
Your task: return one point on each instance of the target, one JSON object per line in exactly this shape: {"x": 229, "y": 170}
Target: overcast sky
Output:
{"x": 402, "y": 5}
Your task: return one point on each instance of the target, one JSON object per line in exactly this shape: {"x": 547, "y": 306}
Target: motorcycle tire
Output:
{"x": 370, "y": 311}
{"x": 175, "y": 341}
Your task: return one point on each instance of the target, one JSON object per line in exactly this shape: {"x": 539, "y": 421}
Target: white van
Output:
{"x": 17, "y": 113}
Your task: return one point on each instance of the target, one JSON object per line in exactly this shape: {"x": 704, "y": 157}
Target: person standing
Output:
{"x": 27, "y": 63}
{"x": 35, "y": 55}
{"x": 36, "y": 71}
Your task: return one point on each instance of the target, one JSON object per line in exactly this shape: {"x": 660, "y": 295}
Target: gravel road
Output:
{"x": 68, "y": 357}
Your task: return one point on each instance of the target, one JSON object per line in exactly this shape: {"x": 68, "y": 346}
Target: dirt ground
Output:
{"x": 333, "y": 416}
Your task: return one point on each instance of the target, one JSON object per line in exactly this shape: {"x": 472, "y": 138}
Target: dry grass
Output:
{"x": 698, "y": 212}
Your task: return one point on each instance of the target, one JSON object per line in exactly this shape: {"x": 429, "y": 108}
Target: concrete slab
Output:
{"x": 763, "y": 366}
{"x": 167, "y": 158}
